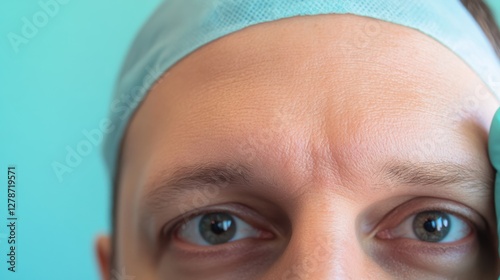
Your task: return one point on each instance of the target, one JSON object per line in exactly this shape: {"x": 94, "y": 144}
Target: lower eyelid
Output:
{"x": 252, "y": 250}
{"x": 406, "y": 250}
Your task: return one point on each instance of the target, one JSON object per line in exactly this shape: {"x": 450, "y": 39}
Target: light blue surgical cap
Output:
{"x": 178, "y": 27}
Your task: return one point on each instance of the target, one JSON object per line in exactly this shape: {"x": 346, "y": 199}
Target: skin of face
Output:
{"x": 325, "y": 134}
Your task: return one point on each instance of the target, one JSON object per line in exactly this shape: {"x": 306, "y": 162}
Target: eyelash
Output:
{"x": 171, "y": 229}
{"x": 200, "y": 229}
{"x": 395, "y": 215}
{"x": 400, "y": 215}
{"x": 450, "y": 223}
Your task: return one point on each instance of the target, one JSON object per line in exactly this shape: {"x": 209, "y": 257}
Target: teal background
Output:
{"x": 495, "y": 8}
{"x": 58, "y": 84}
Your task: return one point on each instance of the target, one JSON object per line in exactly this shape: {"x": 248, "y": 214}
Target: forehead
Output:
{"x": 297, "y": 91}
{"x": 307, "y": 99}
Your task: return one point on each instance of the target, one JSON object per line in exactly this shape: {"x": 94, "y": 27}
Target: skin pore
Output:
{"x": 325, "y": 136}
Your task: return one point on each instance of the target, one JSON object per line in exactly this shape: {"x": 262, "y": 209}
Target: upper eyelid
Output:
{"x": 400, "y": 214}
{"x": 472, "y": 227}
{"x": 244, "y": 213}
{"x": 178, "y": 223}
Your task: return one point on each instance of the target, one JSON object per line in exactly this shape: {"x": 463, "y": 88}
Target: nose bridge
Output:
{"x": 324, "y": 243}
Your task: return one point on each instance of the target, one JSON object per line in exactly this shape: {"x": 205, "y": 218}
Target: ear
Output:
{"x": 103, "y": 254}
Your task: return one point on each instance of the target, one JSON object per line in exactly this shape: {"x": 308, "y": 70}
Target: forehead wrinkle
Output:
{"x": 245, "y": 87}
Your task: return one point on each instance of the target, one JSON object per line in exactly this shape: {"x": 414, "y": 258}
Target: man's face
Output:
{"x": 325, "y": 147}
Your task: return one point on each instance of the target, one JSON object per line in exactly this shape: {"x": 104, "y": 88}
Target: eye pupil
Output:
{"x": 217, "y": 228}
{"x": 431, "y": 226}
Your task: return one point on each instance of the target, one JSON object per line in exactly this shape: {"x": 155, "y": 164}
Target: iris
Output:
{"x": 431, "y": 226}
{"x": 217, "y": 228}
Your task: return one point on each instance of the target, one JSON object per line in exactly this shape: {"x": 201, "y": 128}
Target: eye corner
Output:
{"x": 384, "y": 234}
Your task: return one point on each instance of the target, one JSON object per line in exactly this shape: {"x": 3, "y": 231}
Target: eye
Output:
{"x": 432, "y": 226}
{"x": 216, "y": 228}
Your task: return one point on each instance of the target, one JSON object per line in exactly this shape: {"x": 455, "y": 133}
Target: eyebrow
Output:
{"x": 166, "y": 189}
{"x": 438, "y": 174}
